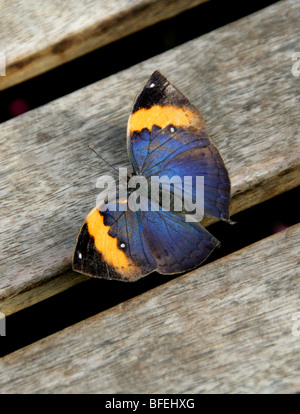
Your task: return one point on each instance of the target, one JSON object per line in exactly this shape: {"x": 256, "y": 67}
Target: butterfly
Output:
{"x": 166, "y": 136}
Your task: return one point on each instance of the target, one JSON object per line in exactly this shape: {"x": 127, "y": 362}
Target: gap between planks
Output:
{"x": 240, "y": 78}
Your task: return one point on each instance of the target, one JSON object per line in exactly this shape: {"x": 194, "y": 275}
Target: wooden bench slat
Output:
{"x": 240, "y": 78}
{"x": 228, "y": 327}
{"x": 37, "y": 36}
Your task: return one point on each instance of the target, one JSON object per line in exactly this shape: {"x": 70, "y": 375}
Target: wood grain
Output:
{"x": 240, "y": 78}
{"x": 228, "y": 327}
{"x": 37, "y": 36}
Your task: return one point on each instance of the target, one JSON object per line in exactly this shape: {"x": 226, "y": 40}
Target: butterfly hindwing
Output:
{"x": 128, "y": 245}
{"x": 176, "y": 245}
{"x": 112, "y": 245}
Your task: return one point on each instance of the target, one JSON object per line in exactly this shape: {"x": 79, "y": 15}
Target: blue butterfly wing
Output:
{"x": 167, "y": 137}
{"x": 127, "y": 245}
{"x": 176, "y": 245}
{"x": 112, "y": 244}
{"x": 203, "y": 160}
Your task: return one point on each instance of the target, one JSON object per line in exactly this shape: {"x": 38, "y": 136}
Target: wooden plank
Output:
{"x": 37, "y": 36}
{"x": 41, "y": 291}
{"x": 228, "y": 327}
{"x": 251, "y": 107}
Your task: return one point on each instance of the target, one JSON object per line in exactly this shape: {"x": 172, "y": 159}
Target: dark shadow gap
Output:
{"x": 96, "y": 295}
{"x": 123, "y": 53}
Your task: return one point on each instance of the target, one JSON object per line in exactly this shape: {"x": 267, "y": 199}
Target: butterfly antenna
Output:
{"x": 103, "y": 159}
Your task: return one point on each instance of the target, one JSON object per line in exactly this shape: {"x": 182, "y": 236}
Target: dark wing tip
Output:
{"x": 153, "y": 92}
{"x": 157, "y": 76}
{"x": 158, "y": 90}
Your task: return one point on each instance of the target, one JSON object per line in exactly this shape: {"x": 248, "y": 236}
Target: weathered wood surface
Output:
{"x": 229, "y": 327}
{"x": 240, "y": 78}
{"x": 36, "y": 36}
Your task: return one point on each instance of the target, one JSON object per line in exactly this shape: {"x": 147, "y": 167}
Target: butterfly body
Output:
{"x": 166, "y": 137}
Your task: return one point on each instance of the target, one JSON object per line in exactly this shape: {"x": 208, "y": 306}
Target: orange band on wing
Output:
{"x": 163, "y": 116}
{"x": 106, "y": 244}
